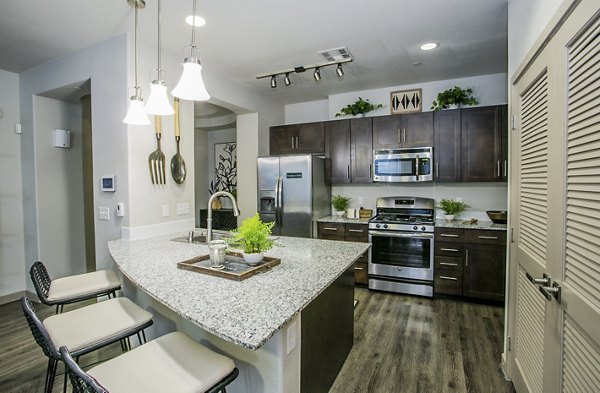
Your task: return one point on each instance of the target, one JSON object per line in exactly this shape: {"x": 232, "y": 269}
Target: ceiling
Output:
{"x": 242, "y": 38}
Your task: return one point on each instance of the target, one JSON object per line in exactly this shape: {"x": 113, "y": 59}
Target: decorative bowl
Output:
{"x": 497, "y": 216}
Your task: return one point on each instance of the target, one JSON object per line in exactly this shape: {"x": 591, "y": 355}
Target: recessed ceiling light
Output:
{"x": 429, "y": 45}
{"x": 197, "y": 21}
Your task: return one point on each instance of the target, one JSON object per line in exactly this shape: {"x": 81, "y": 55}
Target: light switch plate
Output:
{"x": 103, "y": 213}
{"x": 183, "y": 208}
{"x": 165, "y": 211}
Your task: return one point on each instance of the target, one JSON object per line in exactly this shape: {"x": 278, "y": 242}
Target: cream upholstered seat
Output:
{"x": 72, "y": 289}
{"x": 85, "y": 329}
{"x": 171, "y": 363}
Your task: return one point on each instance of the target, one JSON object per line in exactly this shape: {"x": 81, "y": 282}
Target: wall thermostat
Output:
{"x": 108, "y": 183}
{"x": 62, "y": 138}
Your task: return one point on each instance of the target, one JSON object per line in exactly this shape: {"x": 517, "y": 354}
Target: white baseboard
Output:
{"x": 146, "y": 231}
{"x": 11, "y": 297}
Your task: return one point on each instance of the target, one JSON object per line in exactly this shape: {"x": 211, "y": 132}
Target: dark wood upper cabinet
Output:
{"x": 447, "y": 147}
{"x": 361, "y": 151}
{"x": 504, "y": 129}
{"x": 348, "y": 151}
{"x": 297, "y": 139}
{"x": 396, "y": 131}
{"x": 337, "y": 151}
{"x": 482, "y": 144}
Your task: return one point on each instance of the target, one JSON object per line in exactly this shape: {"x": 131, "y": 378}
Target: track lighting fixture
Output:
{"x": 317, "y": 74}
{"x": 339, "y": 70}
{"x": 299, "y": 69}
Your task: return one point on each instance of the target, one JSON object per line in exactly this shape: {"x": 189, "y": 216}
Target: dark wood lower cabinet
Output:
{"x": 470, "y": 263}
{"x": 351, "y": 233}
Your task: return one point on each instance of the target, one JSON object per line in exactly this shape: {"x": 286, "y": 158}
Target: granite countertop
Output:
{"x": 248, "y": 312}
{"x": 487, "y": 225}
{"x": 344, "y": 220}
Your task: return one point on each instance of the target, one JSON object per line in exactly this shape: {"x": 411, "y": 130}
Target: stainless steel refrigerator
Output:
{"x": 293, "y": 194}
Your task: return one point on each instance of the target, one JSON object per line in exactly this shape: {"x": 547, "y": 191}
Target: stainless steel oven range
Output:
{"x": 401, "y": 255}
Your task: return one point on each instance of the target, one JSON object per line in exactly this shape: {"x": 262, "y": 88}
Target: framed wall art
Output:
{"x": 406, "y": 101}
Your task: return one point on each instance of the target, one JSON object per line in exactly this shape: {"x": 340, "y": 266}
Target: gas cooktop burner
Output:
{"x": 401, "y": 219}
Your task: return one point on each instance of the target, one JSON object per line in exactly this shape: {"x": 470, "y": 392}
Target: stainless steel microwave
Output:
{"x": 403, "y": 165}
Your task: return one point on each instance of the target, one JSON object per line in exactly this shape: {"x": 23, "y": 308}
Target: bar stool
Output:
{"x": 72, "y": 289}
{"x": 171, "y": 363}
{"x": 85, "y": 329}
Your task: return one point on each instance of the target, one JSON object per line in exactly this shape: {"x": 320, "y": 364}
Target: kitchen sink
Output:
{"x": 201, "y": 238}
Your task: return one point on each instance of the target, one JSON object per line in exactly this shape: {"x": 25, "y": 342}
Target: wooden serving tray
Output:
{"x": 235, "y": 267}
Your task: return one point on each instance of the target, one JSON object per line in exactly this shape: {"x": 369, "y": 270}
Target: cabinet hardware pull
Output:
{"x": 356, "y": 230}
{"x": 359, "y": 268}
{"x": 505, "y": 168}
{"x": 330, "y": 229}
{"x": 399, "y": 140}
{"x": 466, "y": 258}
{"x": 348, "y": 172}
{"x": 488, "y": 237}
{"x": 448, "y": 264}
{"x": 498, "y": 166}
{"x": 292, "y": 139}
{"x": 297, "y": 142}
{"x": 449, "y": 249}
{"x": 447, "y": 235}
{"x": 437, "y": 169}
{"x": 370, "y": 170}
{"x": 404, "y": 135}
{"x": 449, "y": 278}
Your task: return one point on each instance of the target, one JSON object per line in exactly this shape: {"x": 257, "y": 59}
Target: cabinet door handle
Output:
{"x": 498, "y": 166}
{"x": 505, "y": 168}
{"x": 466, "y": 258}
{"x": 297, "y": 142}
{"x": 356, "y": 230}
{"x": 348, "y": 172}
{"x": 292, "y": 138}
{"x": 329, "y": 229}
{"x": 488, "y": 237}
{"x": 399, "y": 140}
{"x": 359, "y": 268}
{"x": 437, "y": 169}
{"x": 449, "y": 278}
{"x": 449, "y": 249}
{"x": 448, "y": 264}
{"x": 404, "y": 135}
{"x": 447, "y": 235}
{"x": 370, "y": 170}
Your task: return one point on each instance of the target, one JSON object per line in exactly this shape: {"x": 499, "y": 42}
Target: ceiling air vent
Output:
{"x": 336, "y": 54}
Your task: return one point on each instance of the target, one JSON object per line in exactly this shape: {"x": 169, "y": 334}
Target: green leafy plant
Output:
{"x": 454, "y": 96}
{"x": 452, "y": 206}
{"x": 253, "y": 235}
{"x": 340, "y": 203}
{"x": 360, "y": 106}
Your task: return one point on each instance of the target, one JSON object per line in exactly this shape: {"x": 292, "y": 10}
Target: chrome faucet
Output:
{"x": 236, "y": 212}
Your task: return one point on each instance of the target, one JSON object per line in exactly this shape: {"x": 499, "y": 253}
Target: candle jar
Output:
{"x": 216, "y": 252}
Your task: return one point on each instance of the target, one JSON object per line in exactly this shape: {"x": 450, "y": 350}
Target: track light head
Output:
{"x": 317, "y": 74}
{"x": 287, "y": 80}
{"x": 273, "y": 82}
{"x": 339, "y": 70}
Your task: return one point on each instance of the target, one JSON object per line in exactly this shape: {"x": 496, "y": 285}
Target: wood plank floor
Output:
{"x": 413, "y": 344}
{"x": 401, "y": 344}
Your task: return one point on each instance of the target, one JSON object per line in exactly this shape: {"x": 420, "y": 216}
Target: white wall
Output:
{"x": 315, "y": 110}
{"x": 201, "y": 150}
{"x": 526, "y": 20}
{"x": 12, "y": 251}
{"x": 247, "y": 167}
{"x": 59, "y": 176}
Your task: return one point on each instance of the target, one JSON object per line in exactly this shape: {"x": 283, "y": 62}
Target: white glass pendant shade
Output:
{"x": 191, "y": 86}
{"x": 136, "y": 115}
{"x": 158, "y": 102}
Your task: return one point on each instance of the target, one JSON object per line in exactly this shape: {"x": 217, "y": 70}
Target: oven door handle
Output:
{"x": 401, "y": 234}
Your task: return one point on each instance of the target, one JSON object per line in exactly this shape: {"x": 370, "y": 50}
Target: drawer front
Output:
{"x": 485, "y": 237}
{"x": 448, "y": 282}
{"x": 449, "y": 235}
{"x": 331, "y": 230}
{"x": 449, "y": 263}
{"x": 360, "y": 272}
{"x": 357, "y": 233}
{"x": 456, "y": 250}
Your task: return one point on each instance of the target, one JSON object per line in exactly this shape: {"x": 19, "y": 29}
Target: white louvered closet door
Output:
{"x": 554, "y": 295}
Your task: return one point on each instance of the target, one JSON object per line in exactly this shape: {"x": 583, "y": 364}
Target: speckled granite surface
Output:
{"x": 343, "y": 220}
{"x": 480, "y": 225}
{"x": 246, "y": 313}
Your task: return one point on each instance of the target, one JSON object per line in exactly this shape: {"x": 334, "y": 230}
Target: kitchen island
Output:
{"x": 273, "y": 325}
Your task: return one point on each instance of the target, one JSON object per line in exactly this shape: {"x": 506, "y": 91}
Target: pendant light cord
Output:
{"x": 159, "y": 69}
{"x": 193, "y": 28}
{"x": 135, "y": 50}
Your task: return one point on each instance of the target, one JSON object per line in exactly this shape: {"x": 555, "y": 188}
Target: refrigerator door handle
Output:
{"x": 280, "y": 201}
{"x": 277, "y": 200}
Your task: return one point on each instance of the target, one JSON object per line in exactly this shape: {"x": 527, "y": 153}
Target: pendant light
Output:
{"x": 158, "y": 102}
{"x": 190, "y": 86}
{"x": 136, "y": 115}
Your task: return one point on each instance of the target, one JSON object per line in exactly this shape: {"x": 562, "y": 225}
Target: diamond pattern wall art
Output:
{"x": 405, "y": 101}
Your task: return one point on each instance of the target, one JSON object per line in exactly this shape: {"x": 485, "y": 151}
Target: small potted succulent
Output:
{"x": 451, "y": 207}
{"x": 454, "y": 98}
{"x": 340, "y": 204}
{"x": 359, "y": 108}
{"x": 254, "y": 237}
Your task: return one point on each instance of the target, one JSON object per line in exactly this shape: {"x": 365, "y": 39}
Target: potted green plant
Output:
{"x": 454, "y": 97}
{"x": 451, "y": 207}
{"x": 254, "y": 238}
{"x": 359, "y": 108}
{"x": 340, "y": 204}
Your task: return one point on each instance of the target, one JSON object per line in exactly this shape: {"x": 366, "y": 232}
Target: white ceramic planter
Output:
{"x": 338, "y": 212}
{"x": 449, "y": 217}
{"x": 253, "y": 259}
